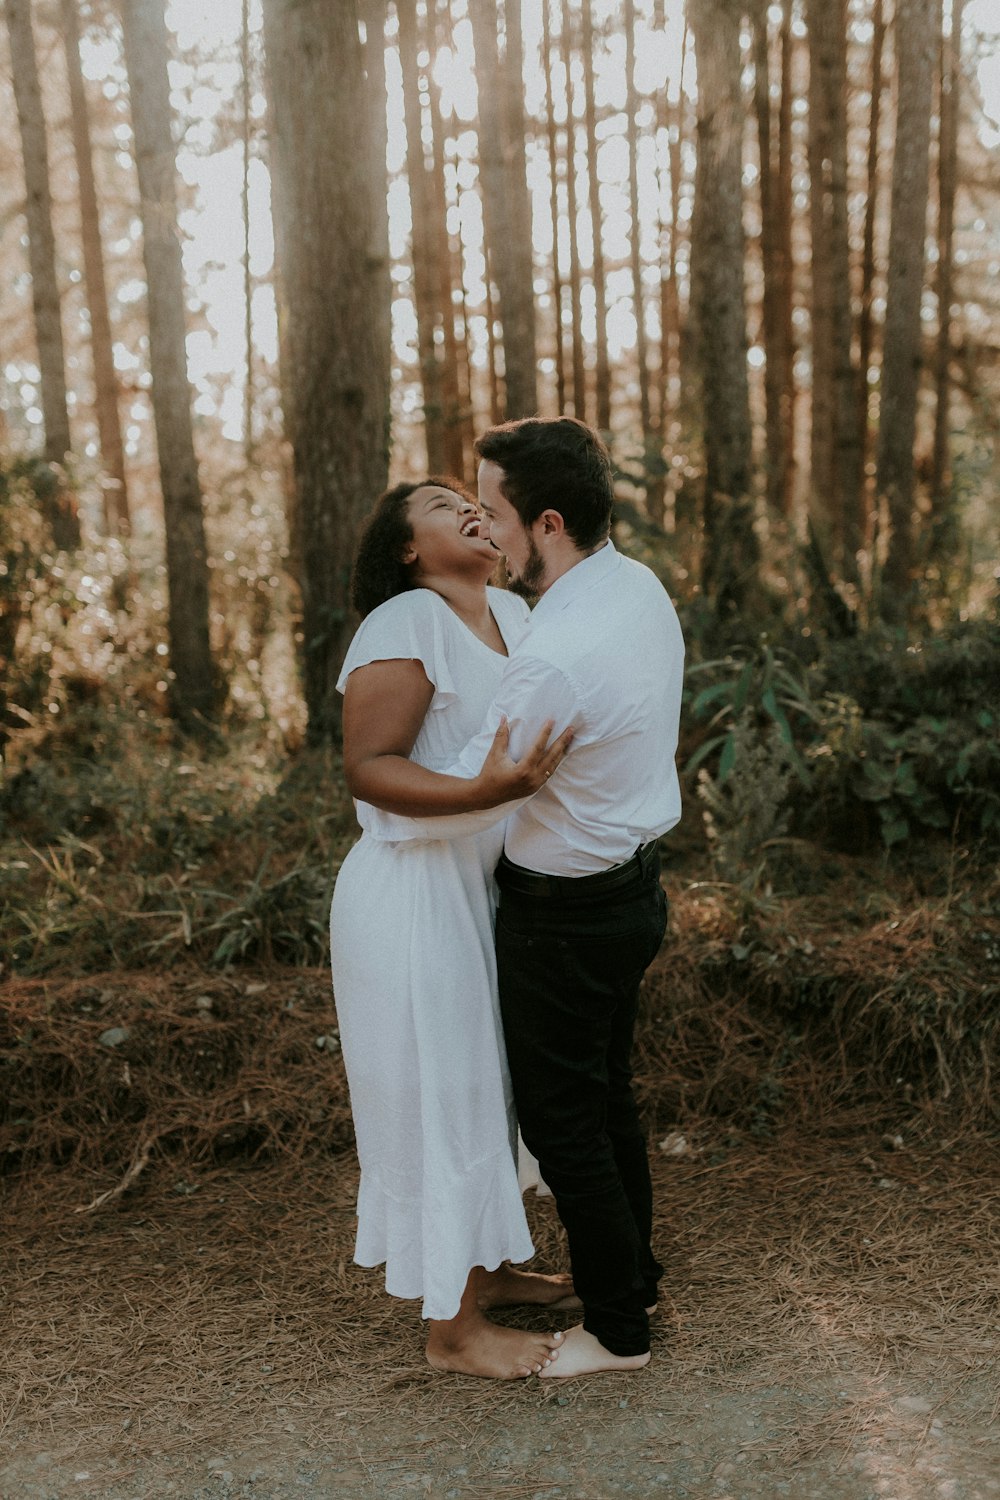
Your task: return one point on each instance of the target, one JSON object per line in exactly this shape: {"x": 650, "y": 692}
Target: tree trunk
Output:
{"x": 457, "y": 247}
{"x": 321, "y": 158}
{"x": 602, "y": 372}
{"x": 506, "y": 205}
{"x": 451, "y": 401}
{"x": 638, "y": 295}
{"x": 942, "y": 518}
{"x": 496, "y": 403}
{"x": 784, "y": 281}
{"x": 115, "y": 489}
{"x": 60, "y": 510}
{"x": 865, "y": 321}
{"x": 465, "y": 387}
{"x": 916, "y": 34}
{"x": 671, "y": 383}
{"x": 669, "y": 122}
{"x": 657, "y": 470}
{"x": 246, "y": 132}
{"x": 575, "y": 299}
{"x": 777, "y": 368}
{"x": 423, "y": 240}
{"x": 146, "y": 57}
{"x": 557, "y": 285}
{"x": 834, "y": 468}
{"x": 373, "y": 14}
{"x": 731, "y": 555}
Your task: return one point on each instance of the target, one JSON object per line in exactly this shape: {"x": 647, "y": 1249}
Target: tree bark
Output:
{"x": 775, "y": 257}
{"x": 246, "y": 142}
{"x": 60, "y": 510}
{"x": 465, "y": 386}
{"x": 193, "y": 693}
{"x": 552, "y": 133}
{"x": 496, "y": 401}
{"x": 423, "y": 240}
{"x": 834, "y": 467}
{"x": 575, "y": 298}
{"x": 457, "y": 260}
{"x": 785, "y": 323}
{"x": 602, "y": 372}
{"x": 942, "y": 518}
{"x": 669, "y": 122}
{"x": 916, "y": 33}
{"x": 454, "y": 426}
{"x": 115, "y": 488}
{"x": 865, "y": 320}
{"x": 321, "y": 156}
{"x": 638, "y": 293}
{"x": 506, "y": 205}
{"x": 373, "y": 15}
{"x": 731, "y": 555}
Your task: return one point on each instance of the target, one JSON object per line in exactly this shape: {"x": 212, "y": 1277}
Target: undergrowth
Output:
{"x": 125, "y": 849}
{"x": 858, "y": 744}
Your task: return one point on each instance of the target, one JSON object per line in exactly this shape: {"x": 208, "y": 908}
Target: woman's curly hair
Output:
{"x": 379, "y": 571}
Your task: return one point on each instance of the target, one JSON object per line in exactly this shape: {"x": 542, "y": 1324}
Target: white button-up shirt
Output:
{"x": 604, "y": 653}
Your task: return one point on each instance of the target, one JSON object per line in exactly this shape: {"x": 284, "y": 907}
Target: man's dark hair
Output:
{"x": 379, "y": 571}
{"x": 554, "y": 463}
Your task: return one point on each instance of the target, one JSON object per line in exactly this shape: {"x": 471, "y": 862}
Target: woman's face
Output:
{"x": 445, "y": 534}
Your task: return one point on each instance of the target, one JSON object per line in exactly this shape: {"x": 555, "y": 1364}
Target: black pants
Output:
{"x": 571, "y": 954}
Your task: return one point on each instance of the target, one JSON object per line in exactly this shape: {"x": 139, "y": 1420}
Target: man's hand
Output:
{"x": 504, "y": 780}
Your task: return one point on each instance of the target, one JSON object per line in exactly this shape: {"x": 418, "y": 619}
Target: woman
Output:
{"x": 412, "y": 936}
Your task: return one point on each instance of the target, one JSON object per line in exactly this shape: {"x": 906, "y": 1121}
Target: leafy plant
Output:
{"x": 764, "y": 687}
{"x": 748, "y": 807}
{"x": 880, "y": 734}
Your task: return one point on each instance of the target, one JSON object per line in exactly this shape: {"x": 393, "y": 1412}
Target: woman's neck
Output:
{"x": 469, "y": 600}
{"x": 466, "y": 596}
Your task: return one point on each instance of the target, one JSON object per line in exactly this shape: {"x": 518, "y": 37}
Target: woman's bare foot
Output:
{"x": 506, "y": 1287}
{"x": 479, "y": 1347}
{"x": 581, "y": 1354}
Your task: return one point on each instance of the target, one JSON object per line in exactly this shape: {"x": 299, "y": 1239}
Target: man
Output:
{"x": 581, "y": 912}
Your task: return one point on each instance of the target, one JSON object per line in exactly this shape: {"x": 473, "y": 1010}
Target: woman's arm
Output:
{"x": 384, "y": 706}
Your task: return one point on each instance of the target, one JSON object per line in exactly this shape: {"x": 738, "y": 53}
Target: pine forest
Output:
{"x": 262, "y": 259}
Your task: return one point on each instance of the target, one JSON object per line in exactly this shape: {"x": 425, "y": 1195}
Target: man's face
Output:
{"x": 507, "y": 532}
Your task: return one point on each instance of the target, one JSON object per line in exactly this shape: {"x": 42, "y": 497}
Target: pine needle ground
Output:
{"x": 183, "y": 1316}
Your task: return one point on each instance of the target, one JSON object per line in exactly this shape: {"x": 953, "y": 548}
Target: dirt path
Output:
{"x": 833, "y": 1334}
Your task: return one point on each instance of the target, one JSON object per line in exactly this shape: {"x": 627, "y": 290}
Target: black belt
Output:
{"x": 515, "y": 878}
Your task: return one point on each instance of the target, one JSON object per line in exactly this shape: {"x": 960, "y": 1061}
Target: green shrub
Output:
{"x": 146, "y": 850}
{"x": 902, "y": 740}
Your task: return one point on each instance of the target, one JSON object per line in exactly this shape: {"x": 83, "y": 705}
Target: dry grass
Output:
{"x": 779, "y": 1013}
{"x": 179, "y": 1210}
{"x": 212, "y": 1064}
{"x": 801, "y": 1005}
{"x": 196, "y": 1308}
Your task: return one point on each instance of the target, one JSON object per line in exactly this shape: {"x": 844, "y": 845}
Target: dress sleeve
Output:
{"x": 405, "y": 628}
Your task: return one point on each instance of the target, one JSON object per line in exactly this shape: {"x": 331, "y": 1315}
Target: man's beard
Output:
{"x": 531, "y": 575}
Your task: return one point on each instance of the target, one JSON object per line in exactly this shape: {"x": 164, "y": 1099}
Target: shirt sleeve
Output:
{"x": 531, "y": 691}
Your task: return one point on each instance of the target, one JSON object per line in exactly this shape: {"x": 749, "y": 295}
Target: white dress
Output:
{"x": 414, "y": 975}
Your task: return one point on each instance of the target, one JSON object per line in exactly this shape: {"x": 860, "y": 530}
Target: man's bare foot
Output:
{"x": 581, "y": 1354}
{"x": 506, "y": 1287}
{"x": 496, "y": 1353}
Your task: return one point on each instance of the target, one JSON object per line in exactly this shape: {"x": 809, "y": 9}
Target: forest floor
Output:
{"x": 829, "y": 1329}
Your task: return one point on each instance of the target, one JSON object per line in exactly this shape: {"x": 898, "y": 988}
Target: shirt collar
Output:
{"x": 577, "y": 580}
